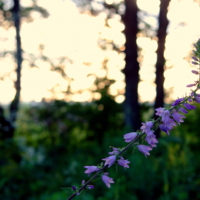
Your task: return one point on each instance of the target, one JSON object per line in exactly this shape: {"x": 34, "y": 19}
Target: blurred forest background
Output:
{"x": 44, "y": 145}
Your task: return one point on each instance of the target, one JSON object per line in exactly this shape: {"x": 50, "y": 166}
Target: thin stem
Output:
{"x": 84, "y": 186}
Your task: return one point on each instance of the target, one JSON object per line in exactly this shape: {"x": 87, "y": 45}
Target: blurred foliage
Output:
{"x": 56, "y": 139}
{"x": 6, "y": 7}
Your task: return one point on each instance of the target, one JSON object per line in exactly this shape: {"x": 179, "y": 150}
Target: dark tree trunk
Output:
{"x": 14, "y": 106}
{"x": 161, "y": 34}
{"x": 7, "y": 124}
{"x": 6, "y": 127}
{"x": 131, "y": 71}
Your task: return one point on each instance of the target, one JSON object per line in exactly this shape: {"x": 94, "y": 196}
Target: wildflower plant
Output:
{"x": 167, "y": 119}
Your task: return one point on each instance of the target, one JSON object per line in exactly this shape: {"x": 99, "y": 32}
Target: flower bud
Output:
{"x": 195, "y": 72}
{"x": 195, "y": 58}
{"x": 190, "y": 85}
{"x": 195, "y": 63}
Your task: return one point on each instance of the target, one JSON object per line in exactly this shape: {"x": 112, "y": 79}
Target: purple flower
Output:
{"x": 189, "y": 106}
{"x": 75, "y": 189}
{"x": 123, "y": 163}
{"x": 90, "y": 187}
{"x": 165, "y": 114}
{"x": 197, "y": 98}
{"x": 109, "y": 160}
{"x": 170, "y": 123}
{"x": 194, "y": 63}
{"x": 130, "y": 136}
{"x": 107, "y": 180}
{"x": 146, "y": 127}
{"x": 177, "y": 117}
{"x": 160, "y": 111}
{"x": 190, "y": 85}
{"x": 190, "y": 98}
{"x": 91, "y": 169}
{"x": 114, "y": 152}
{"x": 182, "y": 110}
{"x": 164, "y": 128}
{"x": 195, "y": 58}
{"x": 178, "y": 101}
{"x": 167, "y": 126}
{"x": 195, "y": 72}
{"x": 144, "y": 149}
{"x": 151, "y": 140}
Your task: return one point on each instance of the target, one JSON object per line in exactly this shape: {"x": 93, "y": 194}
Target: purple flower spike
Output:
{"x": 144, "y": 149}
{"x": 130, "y": 136}
{"x": 123, "y": 163}
{"x": 107, "y": 180}
{"x": 109, "y": 160}
{"x": 189, "y": 106}
{"x": 91, "y": 169}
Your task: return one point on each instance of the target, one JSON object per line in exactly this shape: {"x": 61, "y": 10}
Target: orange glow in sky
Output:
{"x": 68, "y": 33}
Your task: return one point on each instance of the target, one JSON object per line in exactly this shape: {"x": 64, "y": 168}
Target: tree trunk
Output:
{"x": 131, "y": 71}
{"x": 7, "y": 127}
{"x": 161, "y": 34}
{"x": 14, "y": 106}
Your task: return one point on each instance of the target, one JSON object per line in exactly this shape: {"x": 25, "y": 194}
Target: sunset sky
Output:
{"x": 68, "y": 33}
